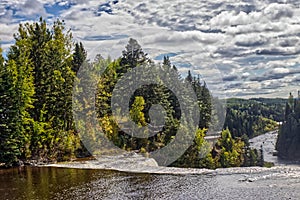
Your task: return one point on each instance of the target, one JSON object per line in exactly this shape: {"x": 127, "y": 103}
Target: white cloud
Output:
{"x": 276, "y": 11}
{"x": 31, "y": 8}
{"x": 239, "y": 40}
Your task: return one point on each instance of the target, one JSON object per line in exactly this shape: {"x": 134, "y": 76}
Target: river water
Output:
{"x": 140, "y": 178}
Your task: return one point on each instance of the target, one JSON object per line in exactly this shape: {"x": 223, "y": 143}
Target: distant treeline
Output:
{"x": 255, "y": 116}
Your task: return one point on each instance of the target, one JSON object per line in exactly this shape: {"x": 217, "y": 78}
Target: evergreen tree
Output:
{"x": 291, "y": 101}
{"x": 79, "y": 56}
{"x": 189, "y": 77}
{"x": 204, "y": 100}
{"x": 10, "y": 124}
{"x": 288, "y": 137}
{"x": 47, "y": 59}
{"x": 167, "y": 61}
{"x": 132, "y": 56}
{"x": 105, "y": 86}
{"x": 16, "y": 97}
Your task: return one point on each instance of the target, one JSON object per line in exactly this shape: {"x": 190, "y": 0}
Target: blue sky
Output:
{"x": 243, "y": 48}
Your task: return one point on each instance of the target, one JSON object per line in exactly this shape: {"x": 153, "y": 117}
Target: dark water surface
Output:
{"x": 63, "y": 183}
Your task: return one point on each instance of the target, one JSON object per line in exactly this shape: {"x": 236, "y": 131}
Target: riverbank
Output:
{"x": 136, "y": 163}
{"x": 139, "y": 164}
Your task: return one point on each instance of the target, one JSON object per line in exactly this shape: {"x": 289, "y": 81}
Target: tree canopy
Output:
{"x": 36, "y": 88}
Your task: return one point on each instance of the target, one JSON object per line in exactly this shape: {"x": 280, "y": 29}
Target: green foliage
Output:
{"x": 105, "y": 86}
{"x": 1, "y": 58}
{"x": 136, "y": 111}
{"x": 36, "y": 95}
{"x": 16, "y": 97}
{"x": 268, "y": 164}
{"x": 36, "y": 119}
{"x": 197, "y": 155}
{"x": 79, "y": 56}
{"x": 204, "y": 99}
{"x": 132, "y": 56}
{"x": 288, "y": 141}
{"x": 229, "y": 151}
{"x": 253, "y": 117}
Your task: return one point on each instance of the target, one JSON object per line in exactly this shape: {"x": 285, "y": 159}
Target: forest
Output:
{"x": 288, "y": 142}
{"x": 36, "y": 119}
{"x": 253, "y": 117}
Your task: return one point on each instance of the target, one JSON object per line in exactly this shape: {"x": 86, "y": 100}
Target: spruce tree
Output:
{"x": 49, "y": 50}
{"x": 16, "y": 97}
{"x": 167, "y": 61}
{"x": 10, "y": 124}
{"x": 132, "y": 56}
{"x": 79, "y": 56}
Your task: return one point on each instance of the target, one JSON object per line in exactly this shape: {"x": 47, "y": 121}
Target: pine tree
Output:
{"x": 37, "y": 35}
{"x": 62, "y": 76}
{"x": 105, "y": 86}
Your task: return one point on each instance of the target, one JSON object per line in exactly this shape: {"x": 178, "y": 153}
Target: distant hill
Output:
{"x": 269, "y": 101}
{"x": 254, "y": 116}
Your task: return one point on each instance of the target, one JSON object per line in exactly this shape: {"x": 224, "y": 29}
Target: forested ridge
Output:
{"x": 36, "y": 119}
{"x": 252, "y": 117}
{"x": 288, "y": 142}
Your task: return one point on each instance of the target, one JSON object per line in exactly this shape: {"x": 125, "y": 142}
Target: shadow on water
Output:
{"x": 62, "y": 183}
{"x": 44, "y": 183}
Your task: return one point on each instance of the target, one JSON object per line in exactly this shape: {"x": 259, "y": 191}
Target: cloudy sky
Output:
{"x": 248, "y": 48}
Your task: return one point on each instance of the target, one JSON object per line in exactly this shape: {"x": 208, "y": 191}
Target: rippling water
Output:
{"x": 62, "y": 183}
{"x": 146, "y": 180}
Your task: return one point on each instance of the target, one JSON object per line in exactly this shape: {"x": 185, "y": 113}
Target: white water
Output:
{"x": 131, "y": 162}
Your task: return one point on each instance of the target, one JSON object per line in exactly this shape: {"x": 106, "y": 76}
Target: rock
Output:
{"x": 20, "y": 163}
{"x": 251, "y": 180}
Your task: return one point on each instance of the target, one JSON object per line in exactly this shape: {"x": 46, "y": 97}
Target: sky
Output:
{"x": 248, "y": 48}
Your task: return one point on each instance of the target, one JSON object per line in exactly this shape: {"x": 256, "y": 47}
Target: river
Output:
{"x": 145, "y": 180}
